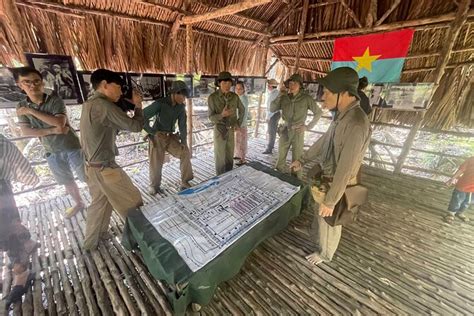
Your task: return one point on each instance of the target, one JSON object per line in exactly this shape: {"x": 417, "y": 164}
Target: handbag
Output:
{"x": 347, "y": 209}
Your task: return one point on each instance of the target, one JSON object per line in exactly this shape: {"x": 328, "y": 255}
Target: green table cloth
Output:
{"x": 185, "y": 286}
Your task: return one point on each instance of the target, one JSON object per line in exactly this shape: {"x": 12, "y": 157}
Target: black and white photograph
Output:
{"x": 86, "y": 85}
{"x": 376, "y": 94}
{"x": 59, "y": 74}
{"x": 314, "y": 90}
{"x": 408, "y": 96}
{"x": 203, "y": 86}
{"x": 150, "y": 85}
{"x": 187, "y": 79}
{"x": 259, "y": 85}
{"x": 248, "y": 83}
{"x": 10, "y": 93}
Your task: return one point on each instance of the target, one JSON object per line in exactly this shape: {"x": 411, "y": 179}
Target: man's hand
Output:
{"x": 325, "y": 211}
{"x": 58, "y": 130}
{"x": 296, "y": 165}
{"x": 227, "y": 112}
{"x": 23, "y": 111}
{"x": 137, "y": 98}
{"x": 299, "y": 128}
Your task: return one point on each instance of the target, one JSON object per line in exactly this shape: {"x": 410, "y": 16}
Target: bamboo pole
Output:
{"x": 304, "y": 16}
{"x": 260, "y": 98}
{"x": 371, "y": 14}
{"x": 461, "y": 17}
{"x": 388, "y": 12}
{"x": 444, "y": 18}
{"x": 227, "y": 10}
{"x": 189, "y": 69}
{"x": 351, "y": 13}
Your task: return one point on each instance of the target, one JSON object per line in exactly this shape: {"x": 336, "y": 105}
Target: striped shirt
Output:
{"x": 13, "y": 165}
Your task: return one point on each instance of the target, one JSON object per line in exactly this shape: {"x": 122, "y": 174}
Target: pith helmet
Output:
{"x": 340, "y": 80}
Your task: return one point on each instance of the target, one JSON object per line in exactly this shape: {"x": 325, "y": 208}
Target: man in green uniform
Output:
{"x": 44, "y": 115}
{"x": 226, "y": 112}
{"x": 339, "y": 152}
{"x": 166, "y": 112}
{"x": 109, "y": 185}
{"x": 294, "y": 106}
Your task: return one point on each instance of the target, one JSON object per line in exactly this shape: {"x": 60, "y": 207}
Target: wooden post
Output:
{"x": 456, "y": 25}
{"x": 189, "y": 70}
{"x": 259, "y": 107}
{"x": 371, "y": 14}
{"x": 304, "y": 15}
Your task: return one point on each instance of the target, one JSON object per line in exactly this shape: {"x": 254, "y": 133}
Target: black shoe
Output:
{"x": 267, "y": 152}
{"x": 18, "y": 291}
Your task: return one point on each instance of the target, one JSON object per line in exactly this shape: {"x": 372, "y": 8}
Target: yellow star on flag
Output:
{"x": 366, "y": 60}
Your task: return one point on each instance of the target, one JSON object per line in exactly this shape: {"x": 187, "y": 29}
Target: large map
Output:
{"x": 203, "y": 221}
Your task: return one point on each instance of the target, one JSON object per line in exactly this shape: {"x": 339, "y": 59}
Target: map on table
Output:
{"x": 203, "y": 221}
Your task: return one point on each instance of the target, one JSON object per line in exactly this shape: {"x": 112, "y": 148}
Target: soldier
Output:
{"x": 109, "y": 186}
{"x": 226, "y": 112}
{"x": 161, "y": 137}
{"x": 44, "y": 115}
{"x": 294, "y": 106}
{"x": 339, "y": 152}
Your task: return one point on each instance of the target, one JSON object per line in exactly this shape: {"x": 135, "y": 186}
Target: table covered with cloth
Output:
{"x": 197, "y": 285}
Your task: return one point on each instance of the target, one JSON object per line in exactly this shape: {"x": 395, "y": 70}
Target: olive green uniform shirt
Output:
{"x": 101, "y": 120}
{"x": 294, "y": 109}
{"x": 351, "y": 136}
{"x": 216, "y": 103}
{"x": 52, "y": 105}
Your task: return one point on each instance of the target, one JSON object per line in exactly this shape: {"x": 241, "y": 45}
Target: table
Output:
{"x": 185, "y": 286}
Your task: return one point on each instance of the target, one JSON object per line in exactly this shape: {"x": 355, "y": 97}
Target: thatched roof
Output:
{"x": 138, "y": 35}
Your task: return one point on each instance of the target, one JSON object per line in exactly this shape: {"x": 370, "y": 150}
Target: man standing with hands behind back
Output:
{"x": 226, "y": 112}
{"x": 109, "y": 185}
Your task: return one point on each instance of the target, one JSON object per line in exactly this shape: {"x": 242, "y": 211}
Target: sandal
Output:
{"x": 462, "y": 217}
{"x": 449, "y": 218}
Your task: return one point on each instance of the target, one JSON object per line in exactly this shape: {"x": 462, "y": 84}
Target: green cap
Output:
{"x": 180, "y": 87}
{"x": 296, "y": 78}
{"x": 224, "y": 75}
{"x": 340, "y": 80}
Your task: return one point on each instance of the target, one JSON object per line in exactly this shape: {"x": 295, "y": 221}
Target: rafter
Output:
{"x": 227, "y": 10}
{"x": 388, "y": 12}
{"x": 351, "y": 13}
{"x": 371, "y": 14}
{"x": 304, "y": 16}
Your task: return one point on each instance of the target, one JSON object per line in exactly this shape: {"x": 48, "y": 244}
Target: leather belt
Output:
{"x": 164, "y": 133}
{"x": 103, "y": 164}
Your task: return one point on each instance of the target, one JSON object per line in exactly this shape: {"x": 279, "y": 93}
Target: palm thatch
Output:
{"x": 147, "y": 36}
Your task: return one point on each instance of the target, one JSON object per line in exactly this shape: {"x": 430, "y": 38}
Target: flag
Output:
{"x": 379, "y": 57}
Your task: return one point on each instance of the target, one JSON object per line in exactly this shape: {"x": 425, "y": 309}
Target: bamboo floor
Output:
{"x": 400, "y": 258}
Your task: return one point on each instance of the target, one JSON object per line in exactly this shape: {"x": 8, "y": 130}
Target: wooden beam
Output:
{"x": 388, "y": 12}
{"x": 189, "y": 70}
{"x": 319, "y": 4}
{"x": 304, "y": 16}
{"x": 271, "y": 67}
{"x": 448, "y": 17}
{"x": 351, "y": 13}
{"x": 183, "y": 12}
{"x": 371, "y": 14}
{"x": 260, "y": 98}
{"x": 240, "y": 15}
{"x": 322, "y": 73}
{"x": 227, "y": 10}
{"x": 450, "y": 66}
{"x": 310, "y": 59}
{"x": 451, "y": 37}
{"x": 79, "y": 12}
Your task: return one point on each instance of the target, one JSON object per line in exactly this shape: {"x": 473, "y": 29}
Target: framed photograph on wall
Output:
{"x": 259, "y": 85}
{"x": 187, "y": 79}
{"x": 59, "y": 74}
{"x": 248, "y": 83}
{"x": 151, "y": 85}
{"x": 408, "y": 96}
{"x": 314, "y": 89}
{"x": 86, "y": 85}
{"x": 10, "y": 93}
{"x": 203, "y": 86}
